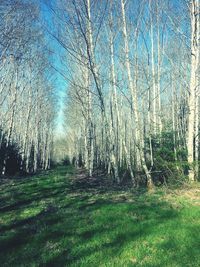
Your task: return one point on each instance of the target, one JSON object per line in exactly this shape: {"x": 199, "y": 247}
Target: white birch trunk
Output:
{"x": 138, "y": 135}
{"x": 154, "y": 96}
{"x": 192, "y": 90}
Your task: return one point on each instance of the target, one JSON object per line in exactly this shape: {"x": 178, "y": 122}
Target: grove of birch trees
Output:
{"x": 26, "y": 92}
{"x": 132, "y": 99}
{"x": 132, "y": 104}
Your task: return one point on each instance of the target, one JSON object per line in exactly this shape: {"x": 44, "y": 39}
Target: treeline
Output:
{"x": 132, "y": 105}
{"x": 26, "y": 91}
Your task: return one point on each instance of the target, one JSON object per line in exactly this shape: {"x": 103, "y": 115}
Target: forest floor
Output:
{"x": 63, "y": 218}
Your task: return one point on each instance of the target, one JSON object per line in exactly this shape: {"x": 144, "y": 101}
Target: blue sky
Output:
{"x": 59, "y": 82}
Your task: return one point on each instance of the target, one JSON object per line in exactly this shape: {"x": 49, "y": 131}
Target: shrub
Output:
{"x": 66, "y": 161}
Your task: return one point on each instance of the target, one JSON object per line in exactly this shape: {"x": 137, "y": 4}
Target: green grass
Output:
{"x": 53, "y": 220}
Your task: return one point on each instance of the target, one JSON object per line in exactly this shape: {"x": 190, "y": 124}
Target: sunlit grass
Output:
{"x": 50, "y": 220}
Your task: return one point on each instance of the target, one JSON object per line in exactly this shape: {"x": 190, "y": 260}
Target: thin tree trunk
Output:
{"x": 193, "y": 84}
{"x": 138, "y": 136}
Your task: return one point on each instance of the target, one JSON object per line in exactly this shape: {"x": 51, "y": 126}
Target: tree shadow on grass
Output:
{"x": 87, "y": 217}
{"x": 113, "y": 232}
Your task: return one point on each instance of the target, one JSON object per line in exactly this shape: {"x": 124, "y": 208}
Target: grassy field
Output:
{"x": 61, "y": 218}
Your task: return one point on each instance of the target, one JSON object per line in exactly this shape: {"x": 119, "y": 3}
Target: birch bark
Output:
{"x": 192, "y": 90}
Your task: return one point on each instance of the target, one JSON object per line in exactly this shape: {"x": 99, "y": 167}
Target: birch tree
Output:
{"x": 193, "y": 93}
